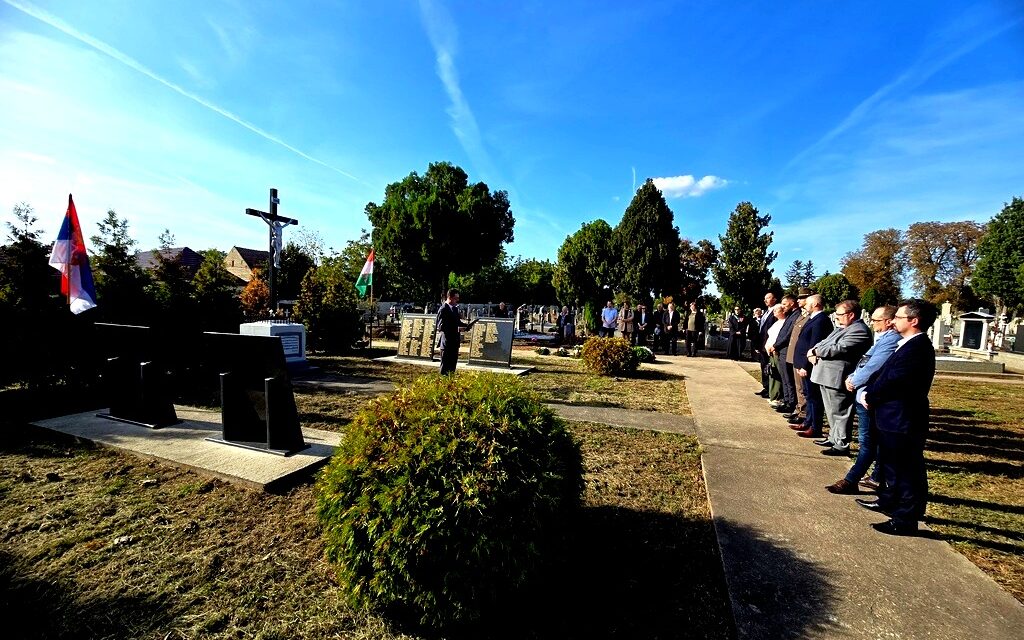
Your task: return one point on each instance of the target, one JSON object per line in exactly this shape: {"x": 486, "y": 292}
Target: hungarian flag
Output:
{"x": 365, "y": 281}
{"x": 69, "y": 257}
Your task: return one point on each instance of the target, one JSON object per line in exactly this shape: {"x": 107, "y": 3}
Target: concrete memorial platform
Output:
{"x": 186, "y": 445}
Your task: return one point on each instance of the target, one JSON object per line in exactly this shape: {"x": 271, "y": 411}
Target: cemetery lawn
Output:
{"x": 565, "y": 380}
{"x": 96, "y": 543}
{"x": 975, "y": 458}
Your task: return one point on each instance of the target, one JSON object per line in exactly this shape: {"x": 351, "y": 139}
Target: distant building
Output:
{"x": 240, "y": 262}
{"x": 183, "y": 255}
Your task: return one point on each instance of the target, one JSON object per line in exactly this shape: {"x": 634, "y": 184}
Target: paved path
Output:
{"x": 803, "y": 563}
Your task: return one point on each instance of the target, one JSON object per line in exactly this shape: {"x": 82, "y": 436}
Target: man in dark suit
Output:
{"x": 449, "y": 324}
{"x": 780, "y": 348}
{"x": 767, "y": 320}
{"x": 670, "y": 327}
{"x": 816, "y": 329}
{"x": 737, "y": 333}
{"x": 642, "y": 324}
{"x": 898, "y": 397}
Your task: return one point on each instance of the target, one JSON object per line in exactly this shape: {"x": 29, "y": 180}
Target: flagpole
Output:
{"x": 373, "y": 311}
{"x": 67, "y": 266}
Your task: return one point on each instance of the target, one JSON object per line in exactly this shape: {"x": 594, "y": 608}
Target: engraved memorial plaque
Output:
{"x": 490, "y": 342}
{"x": 416, "y": 336}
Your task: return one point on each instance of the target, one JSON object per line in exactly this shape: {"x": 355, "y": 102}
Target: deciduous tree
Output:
{"x": 585, "y": 266}
{"x": 743, "y": 272}
{"x": 695, "y": 261}
{"x": 879, "y": 264}
{"x": 437, "y": 224}
{"x": 941, "y": 257}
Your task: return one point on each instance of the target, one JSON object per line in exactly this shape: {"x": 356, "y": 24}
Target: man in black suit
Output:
{"x": 897, "y": 395}
{"x": 767, "y": 320}
{"x": 780, "y": 347}
{"x": 449, "y": 324}
{"x": 816, "y": 329}
{"x": 642, "y": 323}
{"x": 670, "y": 327}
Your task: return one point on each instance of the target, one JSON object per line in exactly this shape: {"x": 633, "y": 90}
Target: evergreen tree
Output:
{"x": 743, "y": 272}
{"x": 646, "y": 245}
{"x": 1000, "y": 269}
{"x": 120, "y": 281}
{"x": 795, "y": 276}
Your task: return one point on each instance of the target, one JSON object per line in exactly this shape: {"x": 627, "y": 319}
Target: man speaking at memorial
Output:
{"x": 449, "y": 324}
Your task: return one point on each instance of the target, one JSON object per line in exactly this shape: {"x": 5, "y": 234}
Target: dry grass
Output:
{"x": 975, "y": 458}
{"x": 566, "y": 380}
{"x": 98, "y": 544}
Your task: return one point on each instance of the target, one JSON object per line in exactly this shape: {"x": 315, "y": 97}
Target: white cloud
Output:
{"x": 688, "y": 186}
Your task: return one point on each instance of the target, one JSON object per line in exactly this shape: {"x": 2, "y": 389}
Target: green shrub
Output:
{"x": 609, "y": 356}
{"x": 544, "y": 351}
{"x": 447, "y": 496}
{"x": 643, "y": 354}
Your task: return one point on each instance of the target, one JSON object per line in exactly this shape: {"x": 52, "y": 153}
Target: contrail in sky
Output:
{"x": 130, "y": 62}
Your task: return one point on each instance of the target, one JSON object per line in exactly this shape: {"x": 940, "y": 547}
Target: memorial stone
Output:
{"x": 416, "y": 336}
{"x": 490, "y": 342}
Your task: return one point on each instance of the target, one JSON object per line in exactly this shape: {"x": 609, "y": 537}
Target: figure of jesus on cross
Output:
{"x": 276, "y": 226}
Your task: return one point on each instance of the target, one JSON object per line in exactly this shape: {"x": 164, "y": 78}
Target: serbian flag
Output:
{"x": 69, "y": 257}
{"x": 365, "y": 281}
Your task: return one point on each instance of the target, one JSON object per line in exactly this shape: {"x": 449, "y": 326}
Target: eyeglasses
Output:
{"x": 901, "y": 317}
{"x": 878, "y": 319}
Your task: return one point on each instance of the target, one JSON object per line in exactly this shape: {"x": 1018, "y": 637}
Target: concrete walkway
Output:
{"x": 803, "y": 563}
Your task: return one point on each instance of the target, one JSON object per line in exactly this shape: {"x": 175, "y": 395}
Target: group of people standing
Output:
{"x": 818, "y": 368}
{"x": 665, "y": 325}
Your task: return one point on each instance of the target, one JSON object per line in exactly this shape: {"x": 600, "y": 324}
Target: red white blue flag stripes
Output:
{"x": 70, "y": 258}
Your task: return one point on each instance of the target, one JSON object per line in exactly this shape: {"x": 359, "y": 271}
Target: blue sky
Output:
{"x": 837, "y": 118}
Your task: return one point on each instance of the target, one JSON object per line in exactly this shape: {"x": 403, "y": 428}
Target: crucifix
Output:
{"x": 276, "y": 224}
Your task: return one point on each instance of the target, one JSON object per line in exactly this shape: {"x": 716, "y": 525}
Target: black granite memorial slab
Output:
{"x": 136, "y": 383}
{"x": 257, "y": 406}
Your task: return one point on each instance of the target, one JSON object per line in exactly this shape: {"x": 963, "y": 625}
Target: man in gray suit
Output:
{"x": 834, "y": 358}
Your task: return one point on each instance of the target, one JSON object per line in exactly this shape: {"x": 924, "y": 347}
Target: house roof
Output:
{"x": 183, "y": 255}
{"x": 253, "y": 257}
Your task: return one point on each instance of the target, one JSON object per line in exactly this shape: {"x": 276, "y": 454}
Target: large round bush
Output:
{"x": 609, "y": 356}
{"x": 447, "y": 496}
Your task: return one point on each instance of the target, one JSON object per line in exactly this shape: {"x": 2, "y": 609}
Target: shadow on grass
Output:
{"x": 977, "y": 504}
{"x": 644, "y": 575}
{"x": 33, "y": 608}
{"x": 1006, "y": 533}
{"x": 984, "y": 467}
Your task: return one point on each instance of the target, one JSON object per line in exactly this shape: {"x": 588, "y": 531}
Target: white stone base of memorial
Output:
{"x": 292, "y": 334}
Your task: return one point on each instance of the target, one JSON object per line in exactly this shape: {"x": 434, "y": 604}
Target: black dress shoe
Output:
{"x": 893, "y": 528}
{"x": 763, "y": 394}
{"x": 793, "y": 415}
{"x": 872, "y": 505}
{"x": 823, "y": 443}
{"x": 836, "y": 452}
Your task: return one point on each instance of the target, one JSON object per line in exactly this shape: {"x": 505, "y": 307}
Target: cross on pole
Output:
{"x": 276, "y": 224}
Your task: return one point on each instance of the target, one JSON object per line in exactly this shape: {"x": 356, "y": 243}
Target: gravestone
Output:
{"x": 292, "y": 335}
{"x": 257, "y": 406}
{"x": 490, "y": 342}
{"x": 1018, "y": 342}
{"x": 417, "y": 336}
{"x": 974, "y": 329}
